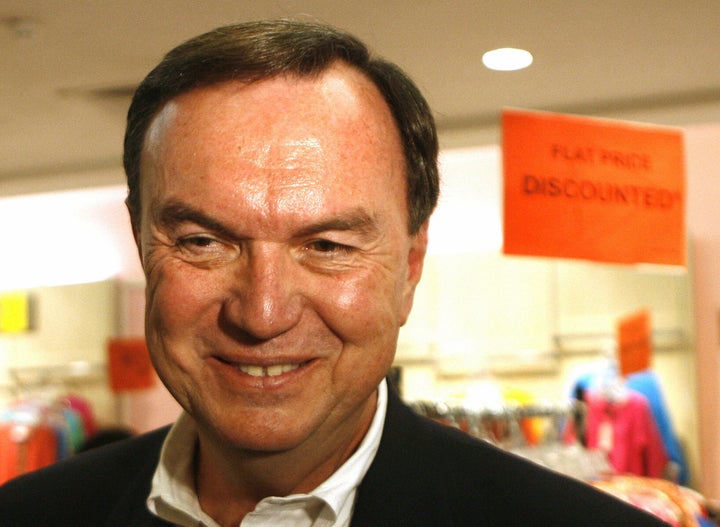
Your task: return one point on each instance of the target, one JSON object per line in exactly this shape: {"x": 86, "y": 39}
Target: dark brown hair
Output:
{"x": 259, "y": 50}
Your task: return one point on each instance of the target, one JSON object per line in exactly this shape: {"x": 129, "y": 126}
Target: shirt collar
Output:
{"x": 336, "y": 490}
{"x": 172, "y": 494}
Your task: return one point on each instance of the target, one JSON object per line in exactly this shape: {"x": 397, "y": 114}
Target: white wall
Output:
{"x": 703, "y": 154}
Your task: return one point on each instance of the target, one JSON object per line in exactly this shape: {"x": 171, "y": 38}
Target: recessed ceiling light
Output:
{"x": 507, "y": 59}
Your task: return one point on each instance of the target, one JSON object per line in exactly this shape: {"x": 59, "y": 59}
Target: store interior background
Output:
{"x": 68, "y": 68}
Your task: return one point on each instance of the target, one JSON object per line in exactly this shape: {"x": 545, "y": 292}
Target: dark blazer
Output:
{"x": 424, "y": 475}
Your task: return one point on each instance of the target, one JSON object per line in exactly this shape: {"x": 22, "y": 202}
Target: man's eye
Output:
{"x": 327, "y": 246}
{"x": 196, "y": 242}
{"x": 204, "y": 248}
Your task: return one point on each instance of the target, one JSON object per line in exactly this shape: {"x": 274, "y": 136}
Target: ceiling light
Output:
{"x": 507, "y": 59}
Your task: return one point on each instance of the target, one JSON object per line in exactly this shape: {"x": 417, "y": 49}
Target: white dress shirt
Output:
{"x": 172, "y": 495}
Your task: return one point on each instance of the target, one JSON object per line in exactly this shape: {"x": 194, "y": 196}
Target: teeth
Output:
{"x": 268, "y": 371}
{"x": 278, "y": 369}
{"x": 255, "y": 371}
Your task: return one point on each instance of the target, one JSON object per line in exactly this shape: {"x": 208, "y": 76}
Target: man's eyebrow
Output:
{"x": 357, "y": 220}
{"x": 174, "y": 213}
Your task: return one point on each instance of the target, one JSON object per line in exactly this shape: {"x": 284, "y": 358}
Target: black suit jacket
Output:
{"x": 424, "y": 475}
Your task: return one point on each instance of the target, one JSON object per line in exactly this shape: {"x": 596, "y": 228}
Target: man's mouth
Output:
{"x": 267, "y": 371}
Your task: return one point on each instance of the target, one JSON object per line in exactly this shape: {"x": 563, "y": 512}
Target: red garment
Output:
{"x": 627, "y": 430}
{"x": 24, "y": 448}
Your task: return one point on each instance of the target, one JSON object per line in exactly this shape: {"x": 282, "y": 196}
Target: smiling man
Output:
{"x": 280, "y": 186}
{"x": 274, "y": 235}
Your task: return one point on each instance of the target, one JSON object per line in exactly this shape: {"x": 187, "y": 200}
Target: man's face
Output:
{"x": 279, "y": 266}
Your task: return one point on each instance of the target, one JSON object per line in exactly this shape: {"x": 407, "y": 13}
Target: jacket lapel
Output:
{"x": 131, "y": 509}
{"x": 397, "y": 490}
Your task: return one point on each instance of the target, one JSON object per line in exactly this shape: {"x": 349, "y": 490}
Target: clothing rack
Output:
{"x": 457, "y": 410}
{"x": 46, "y": 421}
{"x": 589, "y": 343}
{"x": 48, "y": 382}
{"x": 507, "y": 425}
{"x": 546, "y": 433}
{"x": 75, "y": 372}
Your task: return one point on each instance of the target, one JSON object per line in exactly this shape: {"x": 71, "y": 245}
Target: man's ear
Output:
{"x": 416, "y": 255}
{"x": 415, "y": 260}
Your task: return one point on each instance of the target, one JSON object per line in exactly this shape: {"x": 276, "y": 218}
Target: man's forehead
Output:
{"x": 340, "y": 91}
{"x": 276, "y": 152}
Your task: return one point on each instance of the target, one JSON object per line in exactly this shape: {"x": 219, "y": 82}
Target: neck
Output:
{"x": 231, "y": 481}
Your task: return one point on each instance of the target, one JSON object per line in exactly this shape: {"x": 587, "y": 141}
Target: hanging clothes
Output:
{"x": 647, "y": 383}
{"x": 35, "y": 433}
{"x": 85, "y": 412}
{"x": 623, "y": 426}
{"x": 24, "y": 448}
{"x": 28, "y": 440}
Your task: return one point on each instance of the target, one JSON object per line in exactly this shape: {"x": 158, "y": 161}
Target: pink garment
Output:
{"x": 627, "y": 430}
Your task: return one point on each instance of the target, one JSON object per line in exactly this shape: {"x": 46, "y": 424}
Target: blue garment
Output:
{"x": 647, "y": 383}
{"x": 706, "y": 522}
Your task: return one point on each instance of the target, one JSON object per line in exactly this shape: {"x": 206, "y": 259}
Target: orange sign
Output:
{"x": 594, "y": 189}
{"x": 634, "y": 342}
{"x": 129, "y": 364}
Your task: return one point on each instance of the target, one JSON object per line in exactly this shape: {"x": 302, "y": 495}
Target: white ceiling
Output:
{"x": 655, "y": 60}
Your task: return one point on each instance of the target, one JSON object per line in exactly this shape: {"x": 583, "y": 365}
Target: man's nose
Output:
{"x": 266, "y": 298}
